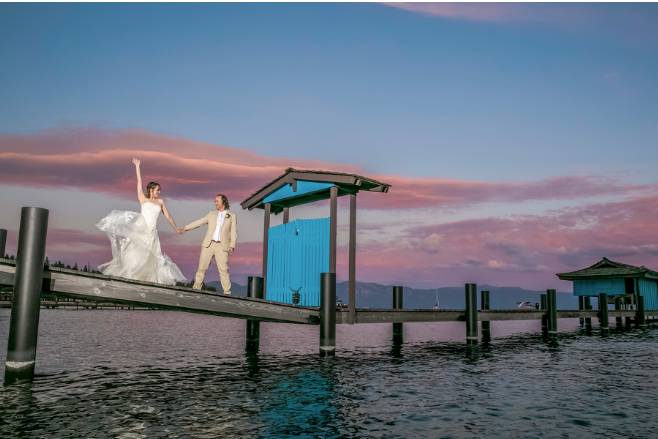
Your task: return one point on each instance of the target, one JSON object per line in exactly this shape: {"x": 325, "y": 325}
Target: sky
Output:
{"x": 520, "y": 140}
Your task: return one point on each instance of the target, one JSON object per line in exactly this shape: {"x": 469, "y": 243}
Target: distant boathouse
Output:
{"x": 617, "y": 280}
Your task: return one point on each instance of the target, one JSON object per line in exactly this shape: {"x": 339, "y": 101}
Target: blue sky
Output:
{"x": 386, "y": 89}
{"x": 520, "y": 139}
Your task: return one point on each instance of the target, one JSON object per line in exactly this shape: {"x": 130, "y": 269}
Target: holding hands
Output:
{"x": 137, "y": 162}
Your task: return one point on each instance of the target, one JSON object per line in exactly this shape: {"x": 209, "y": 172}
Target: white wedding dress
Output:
{"x": 136, "y": 252}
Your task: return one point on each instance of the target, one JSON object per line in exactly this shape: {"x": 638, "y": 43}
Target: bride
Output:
{"x": 136, "y": 252}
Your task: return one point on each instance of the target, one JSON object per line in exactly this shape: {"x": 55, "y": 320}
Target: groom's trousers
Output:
{"x": 221, "y": 258}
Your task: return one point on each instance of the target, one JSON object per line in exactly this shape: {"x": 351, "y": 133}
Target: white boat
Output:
{"x": 526, "y": 304}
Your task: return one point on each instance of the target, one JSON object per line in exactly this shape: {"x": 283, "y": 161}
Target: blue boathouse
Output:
{"x": 617, "y": 280}
{"x": 296, "y": 252}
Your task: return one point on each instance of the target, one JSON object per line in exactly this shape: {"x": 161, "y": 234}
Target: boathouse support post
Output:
{"x": 266, "y": 236}
{"x": 333, "y": 227}
{"x": 254, "y": 291}
{"x": 551, "y": 319}
{"x": 397, "y": 304}
{"x": 351, "y": 278}
{"x": 3, "y": 242}
{"x": 581, "y": 307}
{"x": 24, "y": 321}
{"x": 327, "y": 314}
{"x": 640, "y": 317}
{"x": 544, "y": 317}
{"x": 603, "y": 313}
{"x": 619, "y": 324}
{"x": 471, "y": 313}
{"x": 588, "y": 307}
{"x": 486, "y": 324}
{"x": 628, "y": 303}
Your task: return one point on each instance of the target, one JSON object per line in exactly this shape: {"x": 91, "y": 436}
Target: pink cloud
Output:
{"x": 523, "y": 250}
{"x": 99, "y": 161}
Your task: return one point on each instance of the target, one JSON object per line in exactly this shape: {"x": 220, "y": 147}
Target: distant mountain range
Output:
{"x": 373, "y": 295}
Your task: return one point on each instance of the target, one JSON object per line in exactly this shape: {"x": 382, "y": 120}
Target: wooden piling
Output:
{"x": 471, "y": 312}
{"x": 24, "y": 321}
{"x": 397, "y": 304}
{"x": 640, "y": 317}
{"x": 581, "y": 307}
{"x": 628, "y": 303}
{"x": 544, "y": 317}
{"x": 588, "y": 307}
{"x": 3, "y": 242}
{"x": 485, "y": 324}
{"x": 327, "y": 314}
{"x": 603, "y": 313}
{"x": 619, "y": 323}
{"x": 551, "y": 318}
{"x": 255, "y": 291}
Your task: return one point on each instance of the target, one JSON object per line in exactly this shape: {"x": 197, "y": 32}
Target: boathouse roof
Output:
{"x": 301, "y": 186}
{"x": 607, "y": 269}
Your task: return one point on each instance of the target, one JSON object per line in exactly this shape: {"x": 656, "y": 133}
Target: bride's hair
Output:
{"x": 224, "y": 200}
{"x": 149, "y": 187}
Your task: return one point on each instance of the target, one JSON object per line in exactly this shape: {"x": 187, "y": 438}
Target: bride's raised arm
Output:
{"x": 140, "y": 191}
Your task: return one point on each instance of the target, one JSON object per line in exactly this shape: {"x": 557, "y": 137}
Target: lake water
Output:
{"x": 133, "y": 374}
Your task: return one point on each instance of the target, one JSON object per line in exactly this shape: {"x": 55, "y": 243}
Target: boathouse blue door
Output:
{"x": 297, "y": 253}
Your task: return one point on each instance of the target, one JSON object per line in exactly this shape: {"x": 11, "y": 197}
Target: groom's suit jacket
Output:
{"x": 228, "y": 235}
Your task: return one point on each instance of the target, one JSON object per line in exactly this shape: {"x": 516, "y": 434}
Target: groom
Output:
{"x": 219, "y": 242}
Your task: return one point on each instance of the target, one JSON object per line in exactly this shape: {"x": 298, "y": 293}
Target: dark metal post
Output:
{"x": 628, "y": 302}
{"x": 603, "y": 313}
{"x": 255, "y": 291}
{"x": 544, "y": 316}
{"x": 551, "y": 320}
{"x": 24, "y": 323}
{"x": 470, "y": 291}
{"x": 641, "y": 320}
{"x": 3, "y": 242}
{"x": 581, "y": 307}
{"x": 266, "y": 235}
{"x": 333, "y": 227}
{"x": 327, "y": 314}
{"x": 619, "y": 324}
{"x": 588, "y": 307}
{"x": 397, "y": 304}
{"x": 486, "y": 325}
{"x": 286, "y": 215}
{"x": 352, "y": 261}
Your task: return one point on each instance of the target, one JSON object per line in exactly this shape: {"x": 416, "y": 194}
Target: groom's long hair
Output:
{"x": 224, "y": 200}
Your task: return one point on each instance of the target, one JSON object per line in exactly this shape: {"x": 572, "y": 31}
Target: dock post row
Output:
{"x": 485, "y": 324}
{"x": 254, "y": 291}
{"x": 397, "y": 304}
{"x": 470, "y": 291}
{"x": 551, "y": 314}
{"x": 327, "y": 314}
{"x": 24, "y": 321}
{"x": 3, "y": 242}
{"x": 603, "y": 313}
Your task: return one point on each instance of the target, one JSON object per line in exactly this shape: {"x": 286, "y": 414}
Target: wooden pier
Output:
{"x": 31, "y": 280}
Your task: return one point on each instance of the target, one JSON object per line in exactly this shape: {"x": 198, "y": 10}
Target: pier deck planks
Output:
{"x": 92, "y": 286}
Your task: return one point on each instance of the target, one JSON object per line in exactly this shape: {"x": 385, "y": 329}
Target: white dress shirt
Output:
{"x": 220, "y": 221}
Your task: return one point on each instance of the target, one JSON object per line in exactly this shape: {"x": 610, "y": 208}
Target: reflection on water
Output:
{"x": 164, "y": 374}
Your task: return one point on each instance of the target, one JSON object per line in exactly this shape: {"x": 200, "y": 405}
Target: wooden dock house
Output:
{"x": 617, "y": 280}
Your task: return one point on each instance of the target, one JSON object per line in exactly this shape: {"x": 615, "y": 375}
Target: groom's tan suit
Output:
{"x": 228, "y": 235}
